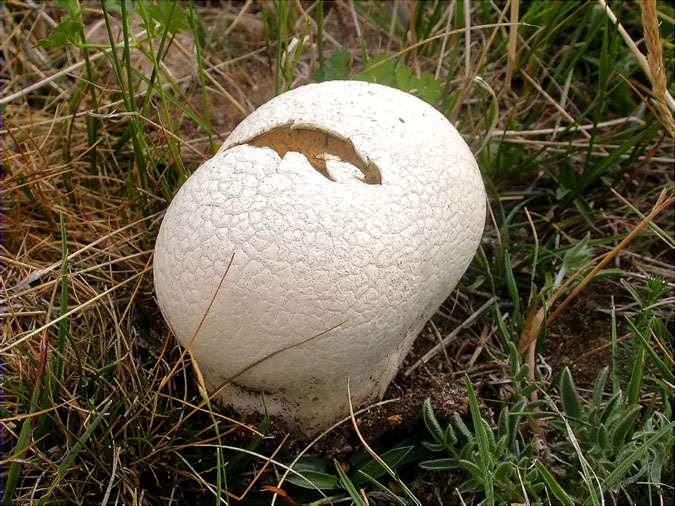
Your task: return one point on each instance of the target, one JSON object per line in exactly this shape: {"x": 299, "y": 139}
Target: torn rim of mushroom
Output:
{"x": 318, "y": 146}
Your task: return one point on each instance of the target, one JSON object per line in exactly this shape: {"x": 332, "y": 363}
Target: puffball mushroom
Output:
{"x": 352, "y": 210}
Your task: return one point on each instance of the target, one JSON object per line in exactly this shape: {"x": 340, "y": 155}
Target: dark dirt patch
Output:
{"x": 581, "y": 336}
{"x": 385, "y": 424}
{"x": 397, "y": 420}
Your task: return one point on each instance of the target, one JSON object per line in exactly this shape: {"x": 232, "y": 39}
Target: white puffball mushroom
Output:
{"x": 348, "y": 206}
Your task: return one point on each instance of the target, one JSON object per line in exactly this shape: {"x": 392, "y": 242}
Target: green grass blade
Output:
{"x": 512, "y": 288}
{"x": 622, "y": 467}
{"x": 194, "y": 25}
{"x": 69, "y": 459}
{"x": 63, "y": 324}
{"x": 483, "y": 443}
{"x": 21, "y": 444}
{"x": 383, "y": 489}
{"x": 658, "y": 361}
{"x": 431, "y": 422}
{"x": 553, "y": 485}
{"x": 635, "y": 383}
{"x": 348, "y": 485}
{"x": 568, "y": 395}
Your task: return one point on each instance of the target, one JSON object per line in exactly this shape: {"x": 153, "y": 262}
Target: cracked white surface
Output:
{"x": 311, "y": 253}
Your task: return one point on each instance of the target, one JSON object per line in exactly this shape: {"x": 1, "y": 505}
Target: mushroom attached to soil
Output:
{"x": 352, "y": 210}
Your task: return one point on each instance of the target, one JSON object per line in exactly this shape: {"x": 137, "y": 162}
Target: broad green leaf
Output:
{"x": 116, "y": 6}
{"x": 404, "y": 77}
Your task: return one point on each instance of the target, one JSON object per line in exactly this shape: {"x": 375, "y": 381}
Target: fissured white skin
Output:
{"x": 311, "y": 253}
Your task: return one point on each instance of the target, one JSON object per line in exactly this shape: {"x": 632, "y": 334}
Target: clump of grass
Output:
{"x": 100, "y": 405}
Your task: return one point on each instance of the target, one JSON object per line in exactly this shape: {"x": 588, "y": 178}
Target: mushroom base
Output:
{"x": 309, "y": 416}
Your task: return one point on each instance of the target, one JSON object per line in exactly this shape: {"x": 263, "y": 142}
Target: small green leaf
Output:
{"x": 514, "y": 419}
{"x": 432, "y": 423}
{"x": 390, "y": 458}
{"x": 475, "y": 471}
{"x": 313, "y": 480}
{"x": 439, "y": 464}
{"x": 553, "y": 485}
{"x": 70, "y": 6}
{"x": 379, "y": 69}
{"x": 603, "y": 437}
{"x": 662, "y": 365}
{"x": 66, "y": 33}
{"x": 170, "y": 16}
{"x": 479, "y": 427}
{"x": 514, "y": 359}
{"x": 599, "y": 387}
{"x": 461, "y": 427}
{"x": 450, "y": 436}
{"x": 348, "y": 485}
{"x": 611, "y": 407}
{"x": 503, "y": 471}
{"x": 661, "y": 455}
{"x": 335, "y": 67}
{"x": 635, "y": 383}
{"x": 568, "y": 394}
{"x": 512, "y": 287}
{"x": 433, "y": 446}
{"x": 622, "y": 467}
{"x": 625, "y": 426}
{"x": 578, "y": 255}
{"x": 317, "y": 471}
{"x": 426, "y": 87}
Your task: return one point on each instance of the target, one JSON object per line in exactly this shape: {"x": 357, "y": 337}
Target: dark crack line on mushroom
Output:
{"x": 318, "y": 147}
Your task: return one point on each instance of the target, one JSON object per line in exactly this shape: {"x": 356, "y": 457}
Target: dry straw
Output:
{"x": 653, "y": 64}
{"x": 657, "y": 73}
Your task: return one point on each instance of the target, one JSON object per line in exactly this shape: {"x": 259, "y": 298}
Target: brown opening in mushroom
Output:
{"x": 317, "y": 147}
